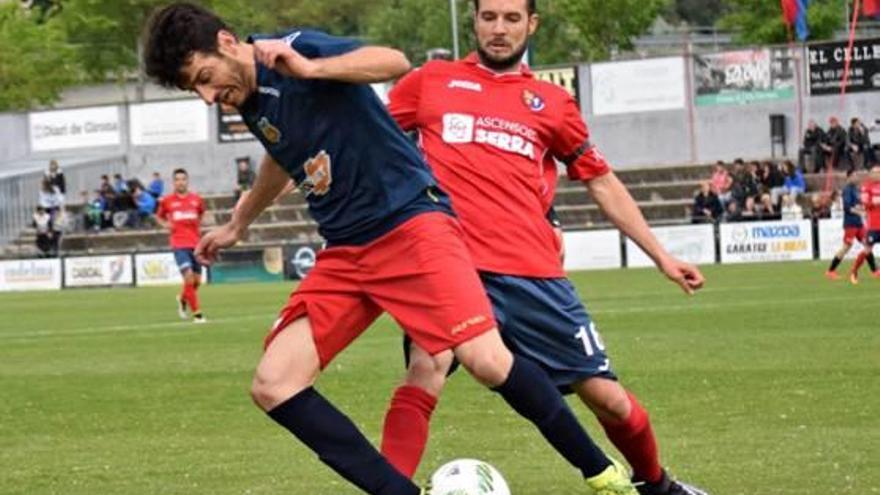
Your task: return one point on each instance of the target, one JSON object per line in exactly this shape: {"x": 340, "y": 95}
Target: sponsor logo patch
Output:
{"x": 270, "y": 132}
{"x": 318, "y": 175}
{"x": 533, "y": 101}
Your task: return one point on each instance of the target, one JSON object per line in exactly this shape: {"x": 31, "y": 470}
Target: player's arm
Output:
{"x": 161, "y": 216}
{"x": 369, "y": 64}
{"x": 271, "y": 179}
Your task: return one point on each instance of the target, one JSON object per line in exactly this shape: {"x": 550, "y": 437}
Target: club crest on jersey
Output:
{"x": 318, "y": 175}
{"x": 533, "y": 101}
{"x": 270, "y": 132}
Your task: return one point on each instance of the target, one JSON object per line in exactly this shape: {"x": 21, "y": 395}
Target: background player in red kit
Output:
{"x": 871, "y": 204}
{"x": 181, "y": 213}
{"x": 486, "y": 127}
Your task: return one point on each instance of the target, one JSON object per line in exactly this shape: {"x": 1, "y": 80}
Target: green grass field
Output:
{"x": 766, "y": 383}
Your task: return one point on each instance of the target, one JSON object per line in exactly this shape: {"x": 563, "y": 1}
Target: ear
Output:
{"x": 534, "y": 21}
{"x": 227, "y": 43}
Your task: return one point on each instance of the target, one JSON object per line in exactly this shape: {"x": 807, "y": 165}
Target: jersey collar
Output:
{"x": 473, "y": 59}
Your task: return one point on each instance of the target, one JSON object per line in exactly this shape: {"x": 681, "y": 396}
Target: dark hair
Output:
{"x": 531, "y": 5}
{"x": 180, "y": 171}
{"x": 173, "y": 34}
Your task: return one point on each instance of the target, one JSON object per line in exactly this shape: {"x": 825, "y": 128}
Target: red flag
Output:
{"x": 790, "y": 11}
{"x": 872, "y": 8}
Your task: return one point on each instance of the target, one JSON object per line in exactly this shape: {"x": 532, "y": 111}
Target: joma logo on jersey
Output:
{"x": 468, "y": 85}
{"x": 270, "y": 132}
{"x": 318, "y": 175}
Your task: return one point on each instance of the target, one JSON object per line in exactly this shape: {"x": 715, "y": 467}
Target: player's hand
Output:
{"x": 687, "y": 276}
{"x": 211, "y": 244}
{"x": 279, "y": 56}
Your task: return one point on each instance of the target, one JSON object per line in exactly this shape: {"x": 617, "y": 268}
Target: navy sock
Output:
{"x": 834, "y": 264}
{"x": 530, "y": 392}
{"x": 872, "y": 263}
{"x": 339, "y": 444}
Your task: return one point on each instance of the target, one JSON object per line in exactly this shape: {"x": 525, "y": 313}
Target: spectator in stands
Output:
{"x": 765, "y": 208}
{"x": 859, "y": 144}
{"x": 749, "y": 212}
{"x": 42, "y": 222}
{"x": 774, "y": 181}
{"x": 744, "y": 184}
{"x": 120, "y": 186}
{"x": 50, "y": 197}
{"x": 94, "y": 212}
{"x": 105, "y": 186}
{"x": 157, "y": 186}
{"x": 707, "y": 207}
{"x": 56, "y": 176}
{"x": 108, "y": 210}
{"x": 820, "y": 206}
{"x": 732, "y": 212}
{"x": 794, "y": 184}
{"x": 791, "y": 210}
{"x": 835, "y": 144}
{"x": 246, "y": 176}
{"x": 146, "y": 206}
{"x": 812, "y": 147}
{"x": 721, "y": 182}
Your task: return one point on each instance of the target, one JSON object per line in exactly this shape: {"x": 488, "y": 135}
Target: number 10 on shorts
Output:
{"x": 590, "y": 339}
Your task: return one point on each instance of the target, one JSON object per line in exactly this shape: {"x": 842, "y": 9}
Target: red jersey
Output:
{"x": 184, "y": 214}
{"x": 489, "y": 139}
{"x": 871, "y": 202}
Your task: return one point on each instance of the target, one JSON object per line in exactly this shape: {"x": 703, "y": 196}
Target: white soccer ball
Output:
{"x": 468, "y": 477}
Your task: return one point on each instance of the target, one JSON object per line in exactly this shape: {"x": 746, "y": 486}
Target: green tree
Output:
{"x": 35, "y": 62}
{"x": 760, "y": 21}
{"x": 603, "y": 25}
{"x": 695, "y": 12}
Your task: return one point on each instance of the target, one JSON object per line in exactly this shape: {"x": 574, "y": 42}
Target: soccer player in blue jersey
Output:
{"x": 393, "y": 243}
{"x": 853, "y": 227}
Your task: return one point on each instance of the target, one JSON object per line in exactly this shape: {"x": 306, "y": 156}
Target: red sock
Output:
{"x": 634, "y": 438}
{"x": 405, "y": 433}
{"x": 860, "y": 260}
{"x": 190, "y": 296}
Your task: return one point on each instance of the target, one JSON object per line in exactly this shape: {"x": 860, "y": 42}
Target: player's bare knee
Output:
{"x": 268, "y": 392}
{"x": 486, "y": 358}
{"x": 606, "y": 398}
{"x": 429, "y": 372}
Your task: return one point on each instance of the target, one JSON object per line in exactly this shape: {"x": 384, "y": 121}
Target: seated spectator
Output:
{"x": 94, "y": 212}
{"x": 859, "y": 144}
{"x": 835, "y": 144}
{"x": 146, "y": 206}
{"x": 46, "y": 236}
{"x": 794, "y": 184}
{"x": 814, "y": 136}
{"x": 105, "y": 186}
{"x": 819, "y": 206}
{"x": 707, "y": 207}
{"x": 56, "y": 176}
{"x": 774, "y": 181}
{"x": 791, "y": 210}
{"x": 765, "y": 208}
{"x": 245, "y": 177}
{"x": 157, "y": 186}
{"x": 749, "y": 212}
{"x": 109, "y": 209}
{"x": 744, "y": 184}
{"x": 732, "y": 212}
{"x": 120, "y": 185}
{"x": 721, "y": 182}
{"x": 50, "y": 197}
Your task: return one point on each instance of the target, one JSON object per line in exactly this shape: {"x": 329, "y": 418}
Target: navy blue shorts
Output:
{"x": 873, "y": 237}
{"x": 186, "y": 260}
{"x": 545, "y": 321}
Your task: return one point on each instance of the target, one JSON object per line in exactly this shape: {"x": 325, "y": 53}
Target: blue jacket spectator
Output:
{"x": 146, "y": 203}
{"x": 119, "y": 184}
{"x": 157, "y": 186}
{"x": 794, "y": 184}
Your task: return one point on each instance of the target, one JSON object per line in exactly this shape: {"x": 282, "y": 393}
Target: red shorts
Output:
{"x": 853, "y": 233}
{"x": 420, "y": 273}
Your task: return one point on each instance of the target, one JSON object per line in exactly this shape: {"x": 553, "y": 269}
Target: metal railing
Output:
{"x": 19, "y": 192}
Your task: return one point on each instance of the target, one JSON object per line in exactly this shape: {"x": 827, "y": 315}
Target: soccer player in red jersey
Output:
{"x": 486, "y": 126}
{"x": 181, "y": 213}
{"x": 853, "y": 225}
{"x": 871, "y": 204}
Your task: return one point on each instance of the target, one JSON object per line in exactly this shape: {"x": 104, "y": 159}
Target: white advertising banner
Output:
{"x": 831, "y": 239}
{"x": 638, "y": 86}
{"x": 43, "y": 274}
{"x": 592, "y": 250}
{"x": 94, "y": 271}
{"x": 156, "y": 269}
{"x": 168, "y": 122}
{"x": 756, "y": 242}
{"x": 691, "y": 243}
{"x": 80, "y": 128}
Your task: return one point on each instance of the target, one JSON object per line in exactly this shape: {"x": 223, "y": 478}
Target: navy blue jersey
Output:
{"x": 360, "y": 174}
{"x": 850, "y": 201}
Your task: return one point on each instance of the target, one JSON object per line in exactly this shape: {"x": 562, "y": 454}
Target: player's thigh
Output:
{"x": 423, "y": 276}
{"x": 486, "y": 358}
{"x": 289, "y": 365}
{"x": 545, "y": 321}
{"x": 427, "y": 371}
